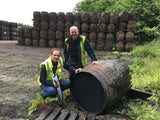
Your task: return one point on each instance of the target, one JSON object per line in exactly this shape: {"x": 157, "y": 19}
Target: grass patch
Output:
{"x": 145, "y": 72}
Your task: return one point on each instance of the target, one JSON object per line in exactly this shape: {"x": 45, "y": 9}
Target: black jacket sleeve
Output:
{"x": 68, "y": 67}
{"x": 89, "y": 50}
{"x": 43, "y": 76}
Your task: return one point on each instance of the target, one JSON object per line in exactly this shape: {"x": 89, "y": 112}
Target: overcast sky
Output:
{"x": 21, "y": 11}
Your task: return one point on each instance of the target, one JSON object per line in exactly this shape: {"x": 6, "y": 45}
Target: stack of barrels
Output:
{"x": 7, "y": 30}
{"x": 60, "y": 29}
{"x": 93, "y": 29}
{"x": 52, "y": 29}
{"x": 125, "y": 33}
{"x": 110, "y": 31}
{"x": 20, "y": 36}
{"x": 107, "y": 29}
{"x": 36, "y": 28}
{"x": 12, "y": 31}
{"x": 44, "y": 29}
{"x": 28, "y": 36}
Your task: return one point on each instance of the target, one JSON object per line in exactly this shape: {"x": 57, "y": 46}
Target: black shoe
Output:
{"x": 43, "y": 96}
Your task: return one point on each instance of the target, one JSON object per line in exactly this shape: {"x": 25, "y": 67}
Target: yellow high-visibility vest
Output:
{"x": 48, "y": 64}
{"x": 83, "y": 52}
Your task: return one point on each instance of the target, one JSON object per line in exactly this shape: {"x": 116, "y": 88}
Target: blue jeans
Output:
{"x": 51, "y": 91}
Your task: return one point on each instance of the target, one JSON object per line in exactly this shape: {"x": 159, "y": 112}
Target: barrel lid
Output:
{"x": 88, "y": 93}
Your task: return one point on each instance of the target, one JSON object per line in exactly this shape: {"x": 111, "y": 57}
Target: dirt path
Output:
{"x": 19, "y": 70}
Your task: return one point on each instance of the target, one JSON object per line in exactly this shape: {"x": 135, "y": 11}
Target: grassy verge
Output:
{"x": 145, "y": 72}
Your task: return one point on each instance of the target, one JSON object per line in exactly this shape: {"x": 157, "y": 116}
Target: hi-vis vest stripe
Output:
{"x": 83, "y": 52}
{"x": 48, "y": 64}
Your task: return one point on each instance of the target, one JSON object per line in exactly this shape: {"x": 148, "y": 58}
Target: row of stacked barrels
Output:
{"x": 103, "y": 33}
{"x": 116, "y": 30}
{"x": 8, "y": 30}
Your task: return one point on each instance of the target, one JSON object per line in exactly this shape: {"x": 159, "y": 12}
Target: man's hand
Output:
{"x": 95, "y": 62}
{"x": 78, "y": 70}
{"x": 56, "y": 85}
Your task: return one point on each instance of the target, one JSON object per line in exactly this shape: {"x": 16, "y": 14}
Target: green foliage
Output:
{"x": 142, "y": 110}
{"x": 40, "y": 102}
{"x": 24, "y": 26}
{"x": 67, "y": 92}
{"x": 146, "y": 76}
{"x": 145, "y": 72}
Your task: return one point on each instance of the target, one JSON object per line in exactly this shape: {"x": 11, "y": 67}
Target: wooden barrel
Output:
{"x": 67, "y": 25}
{"x": 128, "y": 46}
{"x": 60, "y": 16}
{"x": 20, "y": 40}
{"x": 84, "y": 27}
{"x": 77, "y": 16}
{"x": 37, "y": 25}
{"x": 85, "y": 34}
{"x": 129, "y": 36}
{"x": 69, "y": 16}
{"x": 43, "y": 34}
{"x": 35, "y": 34}
{"x": 92, "y": 36}
{"x": 59, "y": 43}
{"x": 78, "y": 24}
{"x": 60, "y": 25}
{"x": 120, "y": 36}
{"x": 93, "y": 27}
{"x": 100, "y": 45}
{"x": 20, "y": 32}
{"x": 59, "y": 34}
{"x": 105, "y": 17}
{"x": 67, "y": 34}
{"x": 52, "y": 43}
{"x": 85, "y": 17}
{"x": 101, "y": 36}
{"x": 123, "y": 16}
{"x": 44, "y": 25}
{"x": 132, "y": 16}
{"x": 131, "y": 25}
{"x": 119, "y": 46}
{"x": 92, "y": 44}
{"x": 43, "y": 42}
{"x": 122, "y": 26}
{"x": 37, "y": 15}
{"x": 113, "y": 18}
{"x": 28, "y": 32}
{"x": 51, "y": 35}
{"x": 110, "y": 37}
{"x": 108, "y": 45}
{"x": 28, "y": 41}
{"x": 111, "y": 28}
{"x": 52, "y": 16}
{"x": 102, "y": 27}
{"x": 98, "y": 87}
{"x": 52, "y": 25}
{"x": 94, "y": 17}
{"x": 35, "y": 42}
{"x": 44, "y": 16}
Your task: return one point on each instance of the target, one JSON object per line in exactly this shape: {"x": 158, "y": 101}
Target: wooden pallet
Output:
{"x": 65, "y": 114}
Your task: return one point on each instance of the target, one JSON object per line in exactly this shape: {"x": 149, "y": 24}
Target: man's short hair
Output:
{"x": 73, "y": 27}
{"x": 55, "y": 49}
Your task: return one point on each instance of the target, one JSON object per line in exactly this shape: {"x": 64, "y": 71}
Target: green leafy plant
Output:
{"x": 41, "y": 103}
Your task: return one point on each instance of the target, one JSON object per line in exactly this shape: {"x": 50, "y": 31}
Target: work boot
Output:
{"x": 43, "y": 96}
